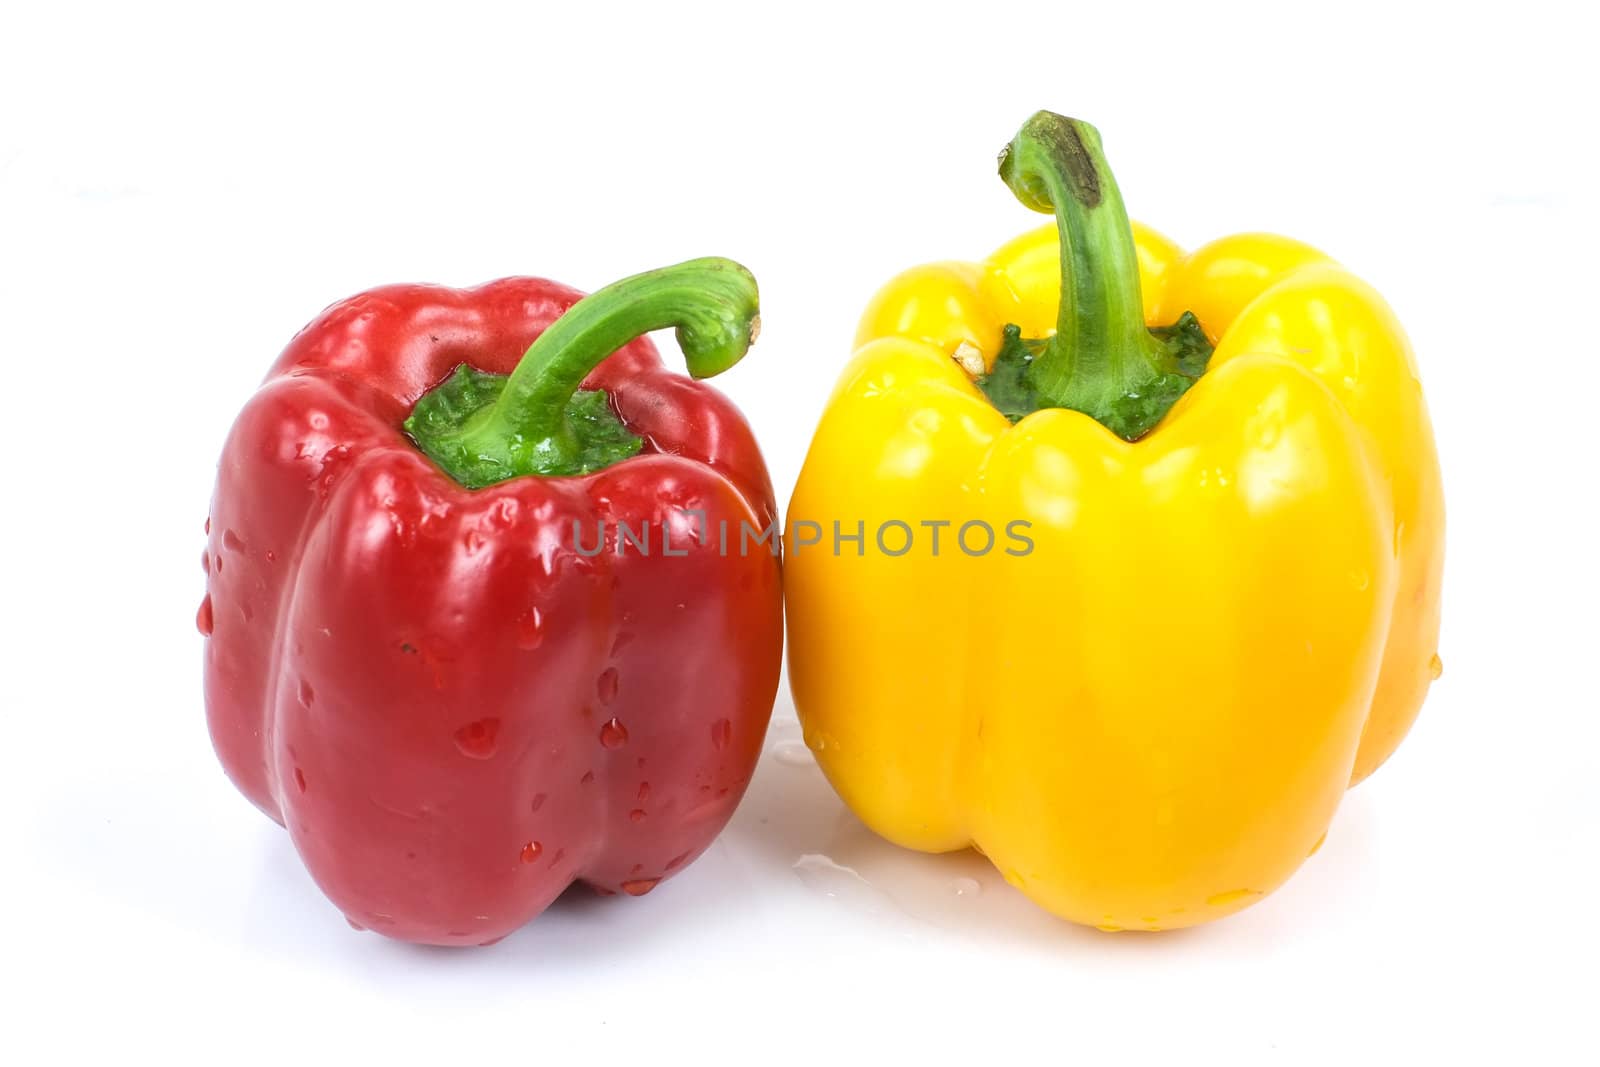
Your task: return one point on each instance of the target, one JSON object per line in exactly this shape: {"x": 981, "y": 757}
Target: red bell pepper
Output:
{"x": 461, "y": 700}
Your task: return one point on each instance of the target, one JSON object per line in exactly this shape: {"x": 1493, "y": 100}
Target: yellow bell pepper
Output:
{"x": 1134, "y": 645}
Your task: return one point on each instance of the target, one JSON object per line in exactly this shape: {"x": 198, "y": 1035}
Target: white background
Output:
{"x": 181, "y": 190}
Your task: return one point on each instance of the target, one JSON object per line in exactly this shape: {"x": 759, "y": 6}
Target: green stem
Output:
{"x": 712, "y": 302}
{"x": 485, "y": 428}
{"x": 1102, "y": 360}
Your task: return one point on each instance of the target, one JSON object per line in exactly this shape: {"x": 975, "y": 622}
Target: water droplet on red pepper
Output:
{"x": 624, "y": 639}
{"x": 355, "y": 925}
{"x": 205, "y": 561}
{"x": 231, "y": 541}
{"x": 307, "y": 694}
{"x": 530, "y": 629}
{"x": 538, "y": 802}
{"x": 272, "y": 557}
{"x": 588, "y": 776}
{"x": 477, "y": 739}
{"x": 300, "y": 779}
{"x": 530, "y": 851}
{"x": 613, "y": 734}
{"x": 636, "y": 815}
{"x": 644, "y": 792}
{"x": 721, "y": 733}
{"x": 677, "y": 861}
{"x": 202, "y": 618}
{"x": 208, "y": 524}
{"x": 503, "y": 515}
{"x": 606, "y": 685}
{"x": 638, "y": 887}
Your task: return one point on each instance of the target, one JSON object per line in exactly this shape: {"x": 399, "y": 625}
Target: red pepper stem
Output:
{"x": 712, "y": 302}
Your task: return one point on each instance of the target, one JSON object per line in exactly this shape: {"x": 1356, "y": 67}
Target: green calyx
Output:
{"x": 596, "y": 438}
{"x": 1102, "y": 360}
{"x": 484, "y": 428}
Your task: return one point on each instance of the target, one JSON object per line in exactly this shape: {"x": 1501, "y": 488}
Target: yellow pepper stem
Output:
{"x": 1102, "y": 360}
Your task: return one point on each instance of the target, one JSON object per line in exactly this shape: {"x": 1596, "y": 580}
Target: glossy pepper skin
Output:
{"x": 454, "y": 710}
{"x": 1147, "y": 721}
